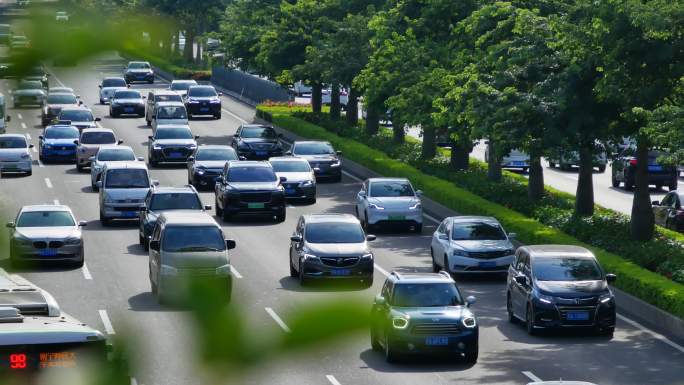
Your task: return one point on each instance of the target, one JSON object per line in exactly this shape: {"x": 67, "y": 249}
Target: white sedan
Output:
{"x": 389, "y": 201}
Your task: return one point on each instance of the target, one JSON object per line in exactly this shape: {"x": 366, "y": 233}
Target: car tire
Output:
{"x": 113, "y": 114}
{"x": 673, "y": 185}
{"x": 435, "y": 266}
{"x": 79, "y": 264}
{"x": 338, "y": 178}
{"x": 375, "y": 345}
{"x": 446, "y": 264}
{"x": 225, "y": 216}
{"x": 217, "y": 116}
{"x": 280, "y": 218}
{"x": 149, "y": 123}
{"x": 368, "y": 282}
{"x": 94, "y": 187}
{"x": 390, "y": 355}
{"x": 311, "y": 201}
{"x": 529, "y": 320}
{"x": 552, "y": 165}
{"x": 302, "y": 278}
{"x": 103, "y": 220}
{"x": 614, "y": 181}
{"x": 418, "y": 228}
{"x": 509, "y": 309}
{"x": 629, "y": 185}
{"x": 102, "y": 102}
{"x": 79, "y": 167}
{"x": 150, "y": 81}
{"x": 29, "y": 172}
{"x": 293, "y": 271}
{"x": 606, "y": 332}
{"x": 471, "y": 355}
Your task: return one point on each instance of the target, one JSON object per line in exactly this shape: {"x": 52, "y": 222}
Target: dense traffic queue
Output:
{"x": 257, "y": 174}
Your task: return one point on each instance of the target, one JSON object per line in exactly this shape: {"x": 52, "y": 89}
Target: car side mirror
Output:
{"x": 282, "y": 179}
{"x": 419, "y": 193}
{"x": 296, "y": 238}
{"x": 242, "y": 158}
{"x": 338, "y": 152}
{"x": 31, "y": 145}
{"x": 82, "y": 223}
{"x": 155, "y": 182}
{"x": 99, "y": 86}
{"x": 380, "y": 300}
{"x": 363, "y": 194}
{"x": 470, "y": 300}
{"x": 150, "y": 137}
{"x": 371, "y": 237}
{"x": 91, "y": 159}
{"x": 140, "y": 159}
{"x": 207, "y": 207}
{"x": 521, "y": 279}
{"x": 512, "y": 235}
{"x": 288, "y": 152}
{"x": 75, "y": 141}
{"x": 80, "y": 102}
{"x": 10, "y": 225}
{"x": 197, "y": 137}
{"x": 120, "y": 141}
{"x": 655, "y": 203}
{"x": 98, "y": 184}
{"x": 40, "y": 137}
{"x": 154, "y": 245}
{"x": 610, "y": 278}
{"x": 98, "y": 119}
{"x": 191, "y": 159}
{"x": 220, "y": 94}
{"x": 144, "y": 97}
{"x": 230, "y": 244}
{"x": 444, "y": 237}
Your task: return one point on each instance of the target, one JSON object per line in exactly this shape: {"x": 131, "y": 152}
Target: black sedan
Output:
{"x": 257, "y": 142}
{"x": 207, "y": 164}
{"x": 171, "y": 144}
{"x": 127, "y": 102}
{"x": 669, "y": 212}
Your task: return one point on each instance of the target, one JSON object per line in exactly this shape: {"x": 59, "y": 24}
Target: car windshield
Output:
{"x": 426, "y": 295}
{"x": 76, "y": 115}
{"x": 127, "y": 178}
{"x": 173, "y": 133}
{"x": 168, "y": 98}
{"x": 251, "y": 174}
{"x": 29, "y": 85}
{"x": 193, "y": 238}
{"x": 36, "y": 71}
{"x": 66, "y": 132}
{"x": 566, "y": 269}
{"x": 215, "y": 154}
{"x": 175, "y": 201}
{"x": 114, "y": 82}
{"x": 202, "y": 91}
{"x": 127, "y": 95}
{"x": 138, "y": 66}
{"x": 477, "y": 231}
{"x": 391, "y": 189}
{"x": 258, "y": 132}
{"x": 45, "y": 219}
{"x": 172, "y": 112}
{"x": 61, "y": 99}
{"x": 319, "y": 148}
{"x": 182, "y": 86}
{"x": 98, "y": 138}
{"x": 13, "y": 142}
{"x": 115, "y": 155}
{"x": 290, "y": 166}
{"x": 334, "y": 232}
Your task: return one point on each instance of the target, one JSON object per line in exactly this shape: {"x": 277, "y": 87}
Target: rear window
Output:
{"x": 193, "y": 239}
{"x": 172, "y": 112}
{"x": 30, "y": 85}
{"x": 168, "y": 98}
{"x": 114, "y": 83}
{"x": 45, "y": 219}
{"x": 61, "y": 99}
{"x": 114, "y": 155}
{"x": 98, "y": 138}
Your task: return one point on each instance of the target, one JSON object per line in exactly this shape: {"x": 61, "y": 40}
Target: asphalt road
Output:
{"x": 112, "y": 292}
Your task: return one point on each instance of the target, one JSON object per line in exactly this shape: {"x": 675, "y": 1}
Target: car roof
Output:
{"x": 164, "y": 91}
{"x": 76, "y": 108}
{"x": 202, "y": 86}
{"x": 114, "y": 147}
{"x": 113, "y": 77}
{"x": 288, "y": 159}
{"x": 171, "y": 103}
{"x": 324, "y": 218}
{"x": 309, "y": 141}
{"x": 549, "y": 251}
{"x": 472, "y": 218}
{"x": 188, "y": 218}
{"x": 415, "y": 277}
{"x": 96, "y": 129}
{"x": 184, "y": 81}
{"x": 249, "y": 163}
{"x": 122, "y": 89}
{"x": 130, "y": 164}
{"x": 30, "y": 208}
{"x": 380, "y": 180}
{"x": 13, "y": 136}
{"x": 173, "y": 189}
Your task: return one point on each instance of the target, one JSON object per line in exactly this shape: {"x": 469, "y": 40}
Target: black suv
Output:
{"x": 249, "y": 187}
{"x": 203, "y": 100}
{"x": 255, "y": 141}
{"x": 624, "y": 171}
{"x": 322, "y": 157}
{"x": 423, "y": 313}
{"x": 171, "y": 144}
{"x": 557, "y": 286}
{"x": 162, "y": 199}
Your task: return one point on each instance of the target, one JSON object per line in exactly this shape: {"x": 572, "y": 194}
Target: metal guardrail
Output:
{"x": 248, "y": 86}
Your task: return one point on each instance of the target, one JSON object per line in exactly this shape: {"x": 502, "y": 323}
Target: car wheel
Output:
{"x": 368, "y": 282}
{"x": 375, "y": 344}
{"x": 79, "y": 167}
{"x": 153, "y": 286}
{"x": 629, "y": 184}
{"x": 113, "y": 114}
{"x": 281, "y": 216}
{"x": 29, "y": 172}
{"x": 606, "y": 332}
{"x": 659, "y": 187}
{"x": 509, "y": 309}
{"x": 552, "y": 165}
{"x": 293, "y": 271}
{"x": 103, "y": 220}
{"x": 94, "y": 187}
{"x": 435, "y": 266}
{"x": 217, "y": 116}
{"x": 102, "y": 102}
{"x": 418, "y": 228}
{"x": 149, "y": 123}
{"x": 390, "y": 355}
{"x": 302, "y": 278}
{"x": 225, "y": 215}
{"x": 673, "y": 185}
{"x": 79, "y": 264}
{"x": 312, "y": 200}
{"x": 529, "y": 320}
{"x": 614, "y": 181}
{"x": 471, "y": 355}
{"x": 446, "y": 263}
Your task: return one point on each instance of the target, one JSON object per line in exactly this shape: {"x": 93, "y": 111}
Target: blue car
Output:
{"x": 58, "y": 143}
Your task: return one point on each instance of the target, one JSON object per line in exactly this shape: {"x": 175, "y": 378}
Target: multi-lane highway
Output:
{"x": 112, "y": 291}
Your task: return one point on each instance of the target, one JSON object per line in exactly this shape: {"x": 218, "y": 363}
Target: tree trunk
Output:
{"x": 398, "y": 132}
{"x": 460, "y": 155}
{"x": 493, "y": 162}
{"x": 643, "y": 222}
{"x": 372, "y": 120}
{"x": 335, "y": 102}
{"x": 353, "y": 107}
{"x": 429, "y": 148}
{"x": 188, "y": 53}
{"x": 316, "y": 97}
{"x": 584, "y": 201}
{"x": 535, "y": 184}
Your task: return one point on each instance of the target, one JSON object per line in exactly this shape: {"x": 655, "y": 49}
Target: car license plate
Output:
{"x": 261, "y": 153}
{"x": 436, "y": 341}
{"x": 64, "y": 152}
{"x": 577, "y": 316}
{"x": 290, "y": 191}
{"x": 128, "y": 109}
{"x": 9, "y": 167}
{"x": 175, "y": 155}
{"x": 204, "y": 109}
{"x": 48, "y": 253}
{"x": 129, "y": 214}
{"x": 518, "y": 163}
{"x": 255, "y": 205}
{"x": 655, "y": 168}
{"x": 396, "y": 217}
{"x": 487, "y": 264}
{"x": 341, "y": 272}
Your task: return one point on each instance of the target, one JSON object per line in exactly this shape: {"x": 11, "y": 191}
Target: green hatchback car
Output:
{"x": 423, "y": 313}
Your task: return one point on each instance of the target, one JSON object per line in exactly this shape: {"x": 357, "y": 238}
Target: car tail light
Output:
{"x": 679, "y": 213}
{"x": 633, "y": 162}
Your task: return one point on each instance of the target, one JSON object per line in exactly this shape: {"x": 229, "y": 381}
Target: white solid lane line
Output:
{"x": 532, "y": 377}
{"x": 39, "y": 162}
{"x": 106, "y": 322}
{"x": 332, "y": 379}
{"x": 86, "y": 272}
{"x": 235, "y": 272}
{"x": 653, "y": 334}
{"x": 48, "y": 183}
{"x": 23, "y": 125}
{"x": 381, "y": 270}
{"x": 28, "y": 136}
{"x": 277, "y": 319}
{"x": 235, "y": 116}
{"x": 134, "y": 381}
{"x": 352, "y": 176}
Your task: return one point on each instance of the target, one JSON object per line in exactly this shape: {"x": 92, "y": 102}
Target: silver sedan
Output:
{"x": 15, "y": 154}
{"x": 106, "y": 155}
{"x": 46, "y": 233}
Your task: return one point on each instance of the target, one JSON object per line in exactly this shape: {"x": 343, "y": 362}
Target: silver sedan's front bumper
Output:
{"x": 34, "y": 251}
{"x": 394, "y": 215}
{"x": 20, "y": 166}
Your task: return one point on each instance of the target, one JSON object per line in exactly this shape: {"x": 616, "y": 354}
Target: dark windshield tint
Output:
{"x": 98, "y": 138}
{"x": 334, "y": 232}
{"x": 193, "y": 238}
{"x": 477, "y": 231}
{"x": 36, "y": 71}
{"x": 127, "y": 178}
{"x": 426, "y": 295}
{"x": 290, "y": 166}
{"x": 138, "y": 66}
{"x": 202, "y": 91}
{"x": 76, "y": 115}
{"x": 175, "y": 201}
{"x": 258, "y": 132}
{"x": 182, "y": 86}
{"x": 168, "y": 98}
{"x": 319, "y": 148}
{"x": 566, "y": 269}
{"x": 172, "y": 112}
{"x": 173, "y": 133}
{"x": 61, "y": 99}
{"x": 251, "y": 174}
{"x": 115, "y": 82}
{"x": 391, "y": 189}
{"x": 216, "y": 154}
{"x": 13, "y": 142}
{"x": 114, "y": 155}
{"x": 30, "y": 85}
{"x": 45, "y": 219}
{"x": 127, "y": 95}
{"x": 66, "y": 132}
{"x": 61, "y": 90}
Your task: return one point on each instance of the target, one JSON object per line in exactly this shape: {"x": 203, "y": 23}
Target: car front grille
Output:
{"x": 181, "y": 150}
{"x": 40, "y": 244}
{"x": 128, "y": 208}
{"x": 262, "y": 146}
{"x": 56, "y": 244}
{"x": 129, "y": 201}
{"x": 488, "y": 254}
{"x": 340, "y": 261}
{"x": 436, "y": 329}
{"x": 255, "y": 197}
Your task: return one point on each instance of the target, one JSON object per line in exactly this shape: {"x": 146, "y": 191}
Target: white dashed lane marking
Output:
{"x": 86, "y": 272}
{"x": 106, "y": 322}
{"x": 277, "y": 319}
{"x": 532, "y": 377}
{"x": 332, "y": 379}
{"x": 48, "y": 183}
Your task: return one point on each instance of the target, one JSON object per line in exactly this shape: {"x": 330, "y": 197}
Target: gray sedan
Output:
{"x": 15, "y": 154}
{"x": 46, "y": 233}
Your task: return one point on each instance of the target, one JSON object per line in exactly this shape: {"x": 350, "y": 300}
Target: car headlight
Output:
{"x": 200, "y": 171}
{"x": 306, "y": 183}
{"x": 367, "y": 257}
{"x": 310, "y": 257}
{"x": 193, "y": 101}
{"x": 469, "y": 322}
{"x": 546, "y": 298}
{"x": 373, "y": 206}
{"x": 156, "y": 147}
{"x": 22, "y": 240}
{"x": 335, "y": 163}
{"x": 192, "y": 146}
{"x": 47, "y": 145}
{"x": 460, "y": 253}
{"x": 215, "y": 101}
{"x": 400, "y": 322}
{"x": 115, "y": 103}
{"x": 25, "y": 156}
{"x": 223, "y": 270}
{"x": 73, "y": 241}
{"x": 606, "y": 297}
{"x": 416, "y": 206}
{"x": 168, "y": 270}
{"x": 108, "y": 199}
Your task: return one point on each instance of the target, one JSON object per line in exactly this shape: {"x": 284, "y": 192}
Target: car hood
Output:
{"x": 394, "y": 202}
{"x": 204, "y": 98}
{"x": 434, "y": 314}
{"x": 246, "y": 186}
{"x": 210, "y": 163}
{"x": 482, "y": 246}
{"x": 196, "y": 259}
{"x": 30, "y": 92}
{"x": 252, "y": 141}
{"x": 175, "y": 142}
{"x": 295, "y": 176}
{"x": 60, "y": 142}
{"x": 126, "y": 193}
{"x": 164, "y": 121}
{"x": 60, "y": 106}
{"x": 337, "y": 249}
{"x": 571, "y": 289}
{"x": 12, "y": 153}
{"x": 59, "y": 232}
{"x": 320, "y": 158}
{"x": 128, "y": 101}
{"x": 109, "y": 91}
{"x": 139, "y": 71}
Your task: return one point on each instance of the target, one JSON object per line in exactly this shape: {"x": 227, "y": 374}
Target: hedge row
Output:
{"x": 649, "y": 286}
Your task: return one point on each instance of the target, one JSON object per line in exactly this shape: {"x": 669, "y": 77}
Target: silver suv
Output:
{"x": 188, "y": 245}
{"x": 123, "y": 188}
